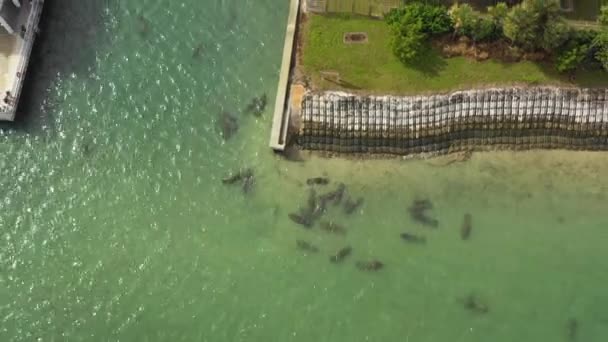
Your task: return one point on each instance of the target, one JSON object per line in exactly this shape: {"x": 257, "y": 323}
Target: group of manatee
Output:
{"x": 311, "y": 215}
{"x": 229, "y": 123}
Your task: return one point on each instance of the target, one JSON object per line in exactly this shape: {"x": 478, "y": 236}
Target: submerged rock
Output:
{"x": 306, "y": 246}
{"x": 341, "y": 254}
{"x": 418, "y": 212}
{"x": 467, "y": 227}
{"x": 317, "y": 181}
{"x": 373, "y": 265}
{"x": 351, "y": 206}
{"x": 292, "y": 153}
{"x": 333, "y": 227}
{"x": 413, "y": 238}
{"x": 229, "y": 125}
{"x": 257, "y": 105}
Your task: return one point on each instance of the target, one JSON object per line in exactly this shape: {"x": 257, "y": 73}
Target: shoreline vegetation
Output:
{"x": 448, "y": 62}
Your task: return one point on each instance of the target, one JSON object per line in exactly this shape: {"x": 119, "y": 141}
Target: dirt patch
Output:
{"x": 355, "y": 38}
{"x": 499, "y": 50}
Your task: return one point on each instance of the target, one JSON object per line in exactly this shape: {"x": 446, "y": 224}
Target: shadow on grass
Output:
{"x": 430, "y": 63}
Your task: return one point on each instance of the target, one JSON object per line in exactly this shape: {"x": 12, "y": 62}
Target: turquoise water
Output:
{"x": 115, "y": 225}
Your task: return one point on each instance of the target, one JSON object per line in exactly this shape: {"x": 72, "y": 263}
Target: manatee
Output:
{"x": 467, "y": 226}
{"x": 143, "y": 25}
{"x": 413, "y": 238}
{"x": 198, "y": 51}
{"x": 301, "y": 220}
{"x": 229, "y": 125}
{"x": 418, "y": 213}
{"x": 238, "y": 176}
{"x": 306, "y": 246}
{"x": 341, "y": 254}
{"x": 373, "y": 265}
{"x": 249, "y": 181}
{"x": 257, "y": 105}
{"x": 317, "y": 181}
{"x": 334, "y": 196}
{"x": 351, "y": 206}
{"x": 333, "y": 227}
{"x": 474, "y": 304}
{"x": 572, "y": 328}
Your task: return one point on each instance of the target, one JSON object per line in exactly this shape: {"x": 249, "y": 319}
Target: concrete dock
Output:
{"x": 15, "y": 52}
{"x": 282, "y": 109}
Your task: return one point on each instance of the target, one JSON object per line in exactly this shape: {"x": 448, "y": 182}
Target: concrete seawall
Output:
{"x": 280, "y": 121}
{"x": 521, "y": 118}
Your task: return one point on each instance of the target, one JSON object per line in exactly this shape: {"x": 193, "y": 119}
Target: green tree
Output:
{"x": 600, "y": 43}
{"x": 536, "y": 24}
{"x": 407, "y": 42}
{"x": 571, "y": 59}
{"x": 469, "y": 22}
{"x": 603, "y": 18}
{"x": 412, "y": 24}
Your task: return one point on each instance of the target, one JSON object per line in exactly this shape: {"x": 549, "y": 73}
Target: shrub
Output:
{"x": 412, "y": 24}
{"x": 407, "y": 41}
{"x": 470, "y": 23}
{"x": 434, "y": 19}
{"x": 536, "y": 23}
{"x": 498, "y": 14}
{"x": 603, "y": 18}
{"x": 600, "y": 44}
{"x": 571, "y": 59}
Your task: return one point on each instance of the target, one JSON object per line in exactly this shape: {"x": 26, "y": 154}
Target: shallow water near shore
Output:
{"x": 115, "y": 224}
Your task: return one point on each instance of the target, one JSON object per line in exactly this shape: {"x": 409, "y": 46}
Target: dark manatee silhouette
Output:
{"x": 418, "y": 212}
{"x": 467, "y": 227}
{"x": 300, "y": 219}
{"x": 257, "y": 105}
{"x": 306, "y": 246}
{"x": 248, "y": 183}
{"x": 350, "y": 206}
{"x": 335, "y": 196}
{"x": 313, "y": 210}
{"x": 413, "y": 238}
{"x": 246, "y": 176}
{"x": 317, "y": 181}
{"x": 332, "y": 227}
{"x": 198, "y": 51}
{"x": 143, "y": 26}
{"x": 572, "y": 329}
{"x": 228, "y": 125}
{"x": 474, "y": 304}
{"x": 341, "y": 254}
{"x": 372, "y": 265}
{"x": 235, "y": 177}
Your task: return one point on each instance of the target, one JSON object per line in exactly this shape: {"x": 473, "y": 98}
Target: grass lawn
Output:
{"x": 373, "y": 68}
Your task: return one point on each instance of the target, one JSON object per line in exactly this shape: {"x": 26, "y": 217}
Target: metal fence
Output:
{"x": 375, "y": 8}
{"x": 574, "y": 9}
{"x": 466, "y": 120}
